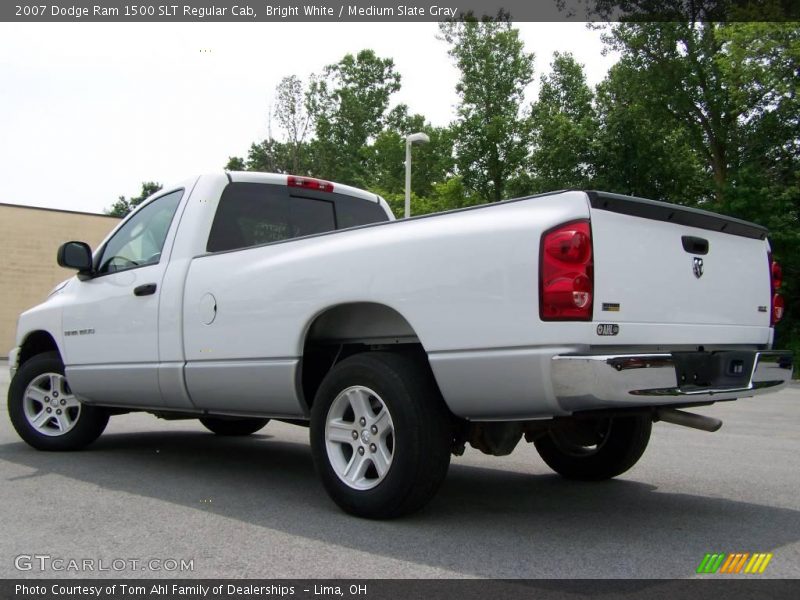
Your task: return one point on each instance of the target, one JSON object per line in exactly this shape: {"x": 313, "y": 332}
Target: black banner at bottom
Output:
{"x": 396, "y": 589}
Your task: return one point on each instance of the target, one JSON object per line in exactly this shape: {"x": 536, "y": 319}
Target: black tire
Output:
{"x": 421, "y": 434}
{"x": 622, "y": 444}
{"x": 89, "y": 422}
{"x": 233, "y": 427}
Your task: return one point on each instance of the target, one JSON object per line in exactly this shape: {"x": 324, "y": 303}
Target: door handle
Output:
{"x": 145, "y": 290}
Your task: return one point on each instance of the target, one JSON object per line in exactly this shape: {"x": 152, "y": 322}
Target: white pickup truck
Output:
{"x": 572, "y": 319}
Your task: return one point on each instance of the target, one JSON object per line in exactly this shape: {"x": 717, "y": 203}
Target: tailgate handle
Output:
{"x": 695, "y": 245}
{"x": 145, "y": 290}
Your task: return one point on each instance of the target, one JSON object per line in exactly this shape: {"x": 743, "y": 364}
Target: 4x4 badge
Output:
{"x": 697, "y": 267}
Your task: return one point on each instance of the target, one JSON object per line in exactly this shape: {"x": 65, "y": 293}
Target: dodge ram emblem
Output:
{"x": 697, "y": 267}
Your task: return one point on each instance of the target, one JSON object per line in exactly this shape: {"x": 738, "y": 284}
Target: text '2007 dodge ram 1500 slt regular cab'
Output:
{"x": 572, "y": 319}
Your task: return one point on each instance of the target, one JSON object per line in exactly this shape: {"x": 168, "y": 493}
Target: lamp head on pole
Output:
{"x": 418, "y": 138}
{"x": 414, "y": 138}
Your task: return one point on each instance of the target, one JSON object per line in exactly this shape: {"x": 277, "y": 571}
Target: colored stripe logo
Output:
{"x": 735, "y": 563}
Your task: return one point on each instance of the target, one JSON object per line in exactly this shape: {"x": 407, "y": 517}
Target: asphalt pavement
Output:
{"x": 167, "y": 491}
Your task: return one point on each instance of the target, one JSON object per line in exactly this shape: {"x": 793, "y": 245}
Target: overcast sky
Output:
{"x": 88, "y": 110}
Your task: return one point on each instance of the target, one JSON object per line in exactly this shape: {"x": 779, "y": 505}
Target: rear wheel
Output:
{"x": 596, "y": 450}
{"x": 45, "y": 412}
{"x": 380, "y": 435}
{"x": 233, "y": 427}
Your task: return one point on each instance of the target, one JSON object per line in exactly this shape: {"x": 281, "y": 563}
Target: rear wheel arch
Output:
{"x": 347, "y": 329}
{"x": 358, "y": 321}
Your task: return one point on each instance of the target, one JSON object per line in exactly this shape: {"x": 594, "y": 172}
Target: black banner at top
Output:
{"x": 395, "y": 10}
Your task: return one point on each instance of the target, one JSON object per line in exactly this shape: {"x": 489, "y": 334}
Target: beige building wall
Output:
{"x": 29, "y": 239}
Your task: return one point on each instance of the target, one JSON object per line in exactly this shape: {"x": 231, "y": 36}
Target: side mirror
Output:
{"x": 75, "y": 255}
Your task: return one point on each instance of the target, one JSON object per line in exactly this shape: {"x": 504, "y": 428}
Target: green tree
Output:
{"x": 763, "y": 59}
{"x": 432, "y": 163}
{"x": 348, "y": 104}
{"x": 269, "y": 156}
{"x": 124, "y": 205}
{"x": 639, "y": 155}
{"x": 491, "y": 134}
{"x": 449, "y": 194}
{"x": 291, "y": 112}
{"x": 275, "y": 156}
{"x": 713, "y": 79}
{"x": 564, "y": 126}
{"x": 235, "y": 163}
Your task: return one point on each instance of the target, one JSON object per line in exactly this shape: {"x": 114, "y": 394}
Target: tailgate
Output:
{"x": 663, "y": 263}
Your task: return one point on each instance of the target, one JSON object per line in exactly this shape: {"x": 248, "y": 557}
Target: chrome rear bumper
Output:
{"x": 585, "y": 382}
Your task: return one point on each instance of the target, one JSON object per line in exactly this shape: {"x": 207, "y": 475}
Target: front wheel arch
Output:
{"x": 35, "y": 343}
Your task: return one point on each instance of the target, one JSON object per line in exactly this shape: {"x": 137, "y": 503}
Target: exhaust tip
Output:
{"x": 687, "y": 419}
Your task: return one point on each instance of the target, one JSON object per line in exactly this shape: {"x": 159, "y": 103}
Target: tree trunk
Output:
{"x": 719, "y": 169}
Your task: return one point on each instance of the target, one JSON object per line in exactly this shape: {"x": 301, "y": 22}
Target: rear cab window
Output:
{"x": 250, "y": 214}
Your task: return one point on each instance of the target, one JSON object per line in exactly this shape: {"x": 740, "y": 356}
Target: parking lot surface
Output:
{"x": 159, "y": 490}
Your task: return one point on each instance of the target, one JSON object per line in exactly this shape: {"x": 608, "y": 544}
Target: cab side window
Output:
{"x": 140, "y": 241}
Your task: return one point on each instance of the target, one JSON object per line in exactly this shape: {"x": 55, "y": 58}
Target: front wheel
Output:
{"x": 595, "y": 450}
{"x": 45, "y": 412}
{"x": 380, "y": 435}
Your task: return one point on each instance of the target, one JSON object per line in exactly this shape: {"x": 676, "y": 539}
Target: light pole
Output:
{"x": 414, "y": 138}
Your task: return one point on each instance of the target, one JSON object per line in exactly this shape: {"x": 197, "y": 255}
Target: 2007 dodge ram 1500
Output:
{"x": 574, "y": 319}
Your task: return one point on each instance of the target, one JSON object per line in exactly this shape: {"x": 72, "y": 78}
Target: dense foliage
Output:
{"x": 695, "y": 112}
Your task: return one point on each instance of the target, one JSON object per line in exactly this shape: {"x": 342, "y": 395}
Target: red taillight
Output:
{"x": 566, "y": 274}
{"x": 776, "y": 278}
{"x": 309, "y": 183}
{"x": 777, "y": 308}
{"x": 569, "y": 246}
{"x": 777, "y": 275}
